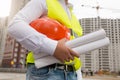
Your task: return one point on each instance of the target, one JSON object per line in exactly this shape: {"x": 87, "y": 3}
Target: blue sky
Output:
{"x": 110, "y": 8}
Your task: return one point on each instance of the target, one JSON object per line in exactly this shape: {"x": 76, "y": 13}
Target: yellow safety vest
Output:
{"x": 57, "y": 12}
{"x": 30, "y": 57}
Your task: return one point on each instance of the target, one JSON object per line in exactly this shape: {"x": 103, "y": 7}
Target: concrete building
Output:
{"x": 14, "y": 53}
{"x": 107, "y": 58}
{"x": 3, "y": 25}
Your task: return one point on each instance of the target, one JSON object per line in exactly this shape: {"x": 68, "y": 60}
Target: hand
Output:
{"x": 63, "y": 53}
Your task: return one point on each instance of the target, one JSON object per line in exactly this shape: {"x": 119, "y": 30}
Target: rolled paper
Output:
{"x": 81, "y": 45}
{"x": 96, "y": 35}
{"x": 92, "y": 46}
{"x": 46, "y": 60}
{"x": 80, "y": 49}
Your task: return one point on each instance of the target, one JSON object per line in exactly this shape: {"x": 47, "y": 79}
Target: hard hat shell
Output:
{"x": 51, "y": 28}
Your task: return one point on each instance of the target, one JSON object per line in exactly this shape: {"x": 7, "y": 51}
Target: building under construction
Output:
{"x": 106, "y": 58}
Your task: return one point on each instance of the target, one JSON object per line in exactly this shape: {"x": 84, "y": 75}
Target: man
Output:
{"x": 40, "y": 43}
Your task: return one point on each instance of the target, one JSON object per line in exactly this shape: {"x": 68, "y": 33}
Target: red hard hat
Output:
{"x": 51, "y": 28}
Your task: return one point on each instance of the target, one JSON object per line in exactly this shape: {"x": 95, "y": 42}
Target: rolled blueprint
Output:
{"x": 81, "y": 45}
{"x": 80, "y": 49}
{"x": 92, "y": 46}
{"x": 96, "y": 35}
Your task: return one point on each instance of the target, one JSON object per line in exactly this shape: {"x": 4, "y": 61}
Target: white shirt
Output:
{"x": 20, "y": 29}
{"x": 32, "y": 40}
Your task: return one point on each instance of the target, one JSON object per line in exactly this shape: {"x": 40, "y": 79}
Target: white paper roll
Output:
{"x": 81, "y": 50}
{"x": 96, "y": 35}
{"x": 92, "y": 46}
{"x": 82, "y": 45}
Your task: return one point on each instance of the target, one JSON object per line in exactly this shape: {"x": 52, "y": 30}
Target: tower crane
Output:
{"x": 98, "y": 7}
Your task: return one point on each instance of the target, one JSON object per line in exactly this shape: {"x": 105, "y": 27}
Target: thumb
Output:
{"x": 63, "y": 40}
{"x": 74, "y": 53}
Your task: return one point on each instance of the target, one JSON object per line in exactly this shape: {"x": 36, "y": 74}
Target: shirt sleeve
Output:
{"x": 20, "y": 29}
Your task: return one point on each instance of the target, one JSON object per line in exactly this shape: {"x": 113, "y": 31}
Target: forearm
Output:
{"x": 20, "y": 29}
{"x": 31, "y": 39}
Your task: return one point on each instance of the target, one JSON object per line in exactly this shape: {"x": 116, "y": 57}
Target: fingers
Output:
{"x": 63, "y": 53}
{"x": 70, "y": 56}
{"x": 63, "y": 40}
{"x": 73, "y": 53}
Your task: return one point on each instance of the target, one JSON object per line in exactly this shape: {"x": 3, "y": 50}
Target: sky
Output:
{"x": 109, "y": 8}
{"x": 5, "y": 7}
